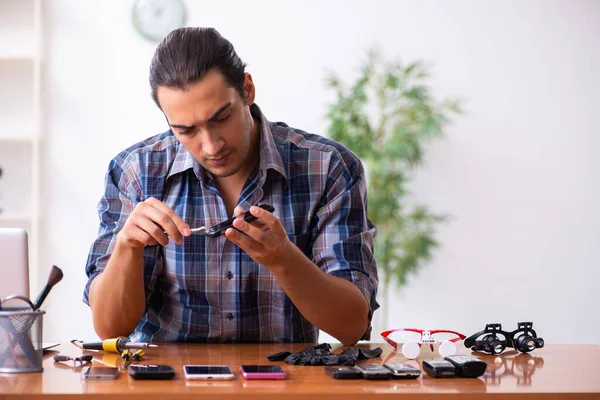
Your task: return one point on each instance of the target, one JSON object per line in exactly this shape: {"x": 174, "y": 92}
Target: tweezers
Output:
{"x": 219, "y": 229}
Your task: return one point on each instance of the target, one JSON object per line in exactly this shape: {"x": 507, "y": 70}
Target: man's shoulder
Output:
{"x": 161, "y": 148}
{"x": 304, "y": 142}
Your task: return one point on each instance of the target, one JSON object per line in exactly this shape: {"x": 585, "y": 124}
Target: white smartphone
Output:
{"x": 100, "y": 373}
{"x": 206, "y": 372}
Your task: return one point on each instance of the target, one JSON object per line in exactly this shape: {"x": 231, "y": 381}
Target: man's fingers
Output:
{"x": 242, "y": 241}
{"x": 181, "y": 226}
{"x": 154, "y": 231}
{"x": 238, "y": 212}
{"x": 145, "y": 238}
{"x": 164, "y": 223}
{"x": 268, "y": 219}
{"x": 255, "y": 232}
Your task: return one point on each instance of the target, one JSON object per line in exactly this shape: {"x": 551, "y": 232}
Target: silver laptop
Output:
{"x": 14, "y": 262}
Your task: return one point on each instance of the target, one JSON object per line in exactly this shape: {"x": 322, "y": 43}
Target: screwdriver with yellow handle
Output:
{"x": 137, "y": 356}
{"x": 116, "y": 345}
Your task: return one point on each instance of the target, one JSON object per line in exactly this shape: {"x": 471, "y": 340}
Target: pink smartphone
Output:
{"x": 262, "y": 372}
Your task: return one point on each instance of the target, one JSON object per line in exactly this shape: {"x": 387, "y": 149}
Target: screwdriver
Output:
{"x": 137, "y": 356}
{"x": 116, "y": 345}
{"x": 126, "y": 355}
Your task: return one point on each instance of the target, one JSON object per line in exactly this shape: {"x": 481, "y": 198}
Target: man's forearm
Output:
{"x": 333, "y": 304}
{"x": 117, "y": 296}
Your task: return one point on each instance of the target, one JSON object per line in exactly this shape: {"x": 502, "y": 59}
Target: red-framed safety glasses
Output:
{"x": 412, "y": 348}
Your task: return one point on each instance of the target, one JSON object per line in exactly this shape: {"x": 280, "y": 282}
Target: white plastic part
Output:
{"x": 411, "y": 349}
{"x": 447, "y": 348}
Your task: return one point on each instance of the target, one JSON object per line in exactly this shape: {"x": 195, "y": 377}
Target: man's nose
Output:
{"x": 212, "y": 143}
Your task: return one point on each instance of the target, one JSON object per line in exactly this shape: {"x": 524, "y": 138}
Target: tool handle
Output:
{"x": 138, "y": 355}
{"x": 92, "y": 346}
{"x": 126, "y": 355}
{"x": 114, "y": 345}
{"x": 58, "y": 357}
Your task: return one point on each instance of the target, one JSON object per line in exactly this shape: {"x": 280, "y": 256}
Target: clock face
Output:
{"x": 154, "y": 19}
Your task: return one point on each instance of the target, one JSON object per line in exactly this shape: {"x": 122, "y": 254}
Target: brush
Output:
{"x": 55, "y": 276}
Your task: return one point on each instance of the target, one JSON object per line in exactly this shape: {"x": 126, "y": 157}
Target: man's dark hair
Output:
{"x": 187, "y": 54}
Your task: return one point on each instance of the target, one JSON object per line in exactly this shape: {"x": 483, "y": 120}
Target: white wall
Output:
{"x": 516, "y": 174}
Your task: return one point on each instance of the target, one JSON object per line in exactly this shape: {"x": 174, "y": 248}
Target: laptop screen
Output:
{"x": 14, "y": 262}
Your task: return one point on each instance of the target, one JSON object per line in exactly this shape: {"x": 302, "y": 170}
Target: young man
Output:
{"x": 309, "y": 265}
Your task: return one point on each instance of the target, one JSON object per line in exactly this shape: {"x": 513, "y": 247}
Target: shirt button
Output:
{"x": 229, "y": 274}
{"x": 230, "y": 316}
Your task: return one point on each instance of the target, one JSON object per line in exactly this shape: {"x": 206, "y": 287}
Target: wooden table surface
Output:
{"x": 553, "y": 372}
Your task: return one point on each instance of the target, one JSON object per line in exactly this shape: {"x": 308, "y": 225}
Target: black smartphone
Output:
{"x": 343, "y": 372}
{"x": 439, "y": 369}
{"x": 374, "y": 371}
{"x": 138, "y": 371}
{"x": 403, "y": 371}
{"x": 219, "y": 229}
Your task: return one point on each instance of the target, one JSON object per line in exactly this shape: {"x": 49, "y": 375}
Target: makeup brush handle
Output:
{"x": 42, "y": 297}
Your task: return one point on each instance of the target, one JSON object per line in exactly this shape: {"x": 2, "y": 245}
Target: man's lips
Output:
{"x": 219, "y": 160}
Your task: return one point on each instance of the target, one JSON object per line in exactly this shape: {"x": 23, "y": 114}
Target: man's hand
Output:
{"x": 152, "y": 222}
{"x": 265, "y": 239}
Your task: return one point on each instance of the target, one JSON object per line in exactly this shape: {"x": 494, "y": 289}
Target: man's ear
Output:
{"x": 249, "y": 89}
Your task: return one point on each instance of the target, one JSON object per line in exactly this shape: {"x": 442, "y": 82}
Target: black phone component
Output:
{"x": 219, "y": 229}
{"x": 374, "y": 371}
{"x": 343, "y": 372}
{"x": 439, "y": 369}
{"x": 138, "y": 371}
{"x": 403, "y": 371}
{"x": 467, "y": 366}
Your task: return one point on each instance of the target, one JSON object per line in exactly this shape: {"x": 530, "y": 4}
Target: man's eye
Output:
{"x": 185, "y": 131}
{"x": 223, "y": 119}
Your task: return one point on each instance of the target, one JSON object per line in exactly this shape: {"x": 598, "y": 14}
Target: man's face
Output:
{"x": 212, "y": 121}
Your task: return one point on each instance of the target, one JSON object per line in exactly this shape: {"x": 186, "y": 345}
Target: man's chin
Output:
{"x": 222, "y": 172}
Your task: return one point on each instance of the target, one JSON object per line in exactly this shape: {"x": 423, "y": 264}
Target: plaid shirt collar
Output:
{"x": 269, "y": 157}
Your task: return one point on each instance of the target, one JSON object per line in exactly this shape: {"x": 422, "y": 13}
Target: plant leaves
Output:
{"x": 385, "y": 117}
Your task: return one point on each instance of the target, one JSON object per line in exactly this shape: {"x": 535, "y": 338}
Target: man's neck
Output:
{"x": 230, "y": 187}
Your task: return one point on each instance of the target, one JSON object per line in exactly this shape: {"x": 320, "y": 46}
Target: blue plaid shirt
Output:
{"x": 209, "y": 290}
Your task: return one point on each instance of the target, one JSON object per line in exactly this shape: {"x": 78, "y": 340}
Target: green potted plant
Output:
{"x": 386, "y": 117}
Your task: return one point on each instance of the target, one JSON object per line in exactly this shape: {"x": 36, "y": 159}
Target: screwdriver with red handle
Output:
{"x": 82, "y": 359}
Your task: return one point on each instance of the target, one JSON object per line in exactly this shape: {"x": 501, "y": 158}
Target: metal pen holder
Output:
{"x": 21, "y": 346}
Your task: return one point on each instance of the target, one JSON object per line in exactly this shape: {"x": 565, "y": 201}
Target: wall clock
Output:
{"x": 154, "y": 19}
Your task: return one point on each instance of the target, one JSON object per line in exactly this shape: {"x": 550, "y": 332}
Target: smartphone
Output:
{"x": 100, "y": 373}
{"x": 439, "y": 369}
{"x": 403, "y": 371}
{"x": 138, "y": 371}
{"x": 374, "y": 371}
{"x": 343, "y": 372}
{"x": 262, "y": 372}
{"x": 219, "y": 229}
{"x": 208, "y": 372}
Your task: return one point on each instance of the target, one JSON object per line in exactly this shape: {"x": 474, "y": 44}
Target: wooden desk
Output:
{"x": 554, "y": 372}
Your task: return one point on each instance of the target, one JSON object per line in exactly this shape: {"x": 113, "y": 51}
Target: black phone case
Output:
{"x": 343, "y": 373}
{"x": 439, "y": 369}
{"x": 467, "y": 366}
{"x": 219, "y": 229}
{"x": 166, "y": 372}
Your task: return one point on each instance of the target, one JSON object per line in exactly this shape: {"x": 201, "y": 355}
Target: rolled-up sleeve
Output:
{"x": 121, "y": 194}
{"x": 343, "y": 235}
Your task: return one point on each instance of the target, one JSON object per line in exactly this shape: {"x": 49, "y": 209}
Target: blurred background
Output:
{"x": 516, "y": 174}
